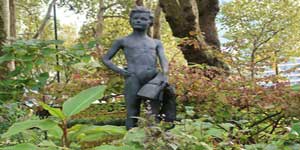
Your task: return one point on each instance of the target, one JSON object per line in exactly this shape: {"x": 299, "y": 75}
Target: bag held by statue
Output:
{"x": 153, "y": 90}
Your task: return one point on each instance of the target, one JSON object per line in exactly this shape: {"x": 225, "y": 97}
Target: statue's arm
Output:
{"x": 162, "y": 58}
{"x": 117, "y": 45}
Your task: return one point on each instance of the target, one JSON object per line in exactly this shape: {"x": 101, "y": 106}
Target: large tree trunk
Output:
{"x": 156, "y": 22}
{"x": 4, "y": 31}
{"x": 195, "y": 16}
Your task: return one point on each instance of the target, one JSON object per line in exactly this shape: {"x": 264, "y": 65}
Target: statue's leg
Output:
{"x": 169, "y": 104}
{"x": 155, "y": 108}
{"x": 133, "y": 103}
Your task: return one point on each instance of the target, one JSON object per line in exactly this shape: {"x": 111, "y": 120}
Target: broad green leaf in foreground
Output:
{"x": 54, "y": 111}
{"x": 134, "y": 136}
{"x": 23, "y": 146}
{"x": 111, "y": 147}
{"x": 6, "y": 57}
{"x": 96, "y": 133}
{"x": 82, "y": 100}
{"x": 296, "y": 128}
{"x": 48, "y": 125}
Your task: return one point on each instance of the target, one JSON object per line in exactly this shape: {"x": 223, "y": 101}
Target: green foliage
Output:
{"x": 89, "y": 136}
{"x": 36, "y": 65}
{"x": 216, "y": 110}
{"x": 260, "y": 33}
{"x": 56, "y": 112}
{"x": 28, "y": 56}
{"x": 46, "y": 125}
{"x": 9, "y": 114}
{"x": 24, "y": 146}
{"x": 82, "y": 100}
{"x": 111, "y": 147}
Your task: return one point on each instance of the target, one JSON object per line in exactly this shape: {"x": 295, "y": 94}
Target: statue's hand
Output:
{"x": 127, "y": 74}
{"x": 165, "y": 78}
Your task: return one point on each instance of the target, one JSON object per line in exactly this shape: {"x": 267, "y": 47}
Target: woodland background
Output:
{"x": 218, "y": 54}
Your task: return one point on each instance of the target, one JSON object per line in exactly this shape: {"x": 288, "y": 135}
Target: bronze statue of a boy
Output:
{"x": 141, "y": 52}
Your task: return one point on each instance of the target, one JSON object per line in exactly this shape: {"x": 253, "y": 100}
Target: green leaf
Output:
{"x": 56, "y": 42}
{"x": 205, "y": 146}
{"x": 82, "y": 100}
{"x": 76, "y": 130}
{"x": 48, "y": 51}
{"x": 5, "y": 58}
{"x": 227, "y": 126}
{"x": 99, "y": 136}
{"x": 78, "y": 46}
{"x": 43, "y": 77}
{"x": 48, "y": 125}
{"x": 216, "y": 133}
{"x": 296, "y": 127}
{"x": 26, "y": 58}
{"x": 112, "y": 147}
{"x": 294, "y": 87}
{"x": 92, "y": 44}
{"x": 101, "y": 133}
{"x": 54, "y": 111}
{"x": 255, "y": 146}
{"x": 135, "y": 137}
{"x": 48, "y": 145}
{"x": 96, "y": 133}
{"x": 23, "y": 146}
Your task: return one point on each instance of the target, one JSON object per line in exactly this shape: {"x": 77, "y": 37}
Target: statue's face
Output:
{"x": 140, "y": 21}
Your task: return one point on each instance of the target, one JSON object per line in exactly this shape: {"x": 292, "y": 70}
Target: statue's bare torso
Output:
{"x": 141, "y": 55}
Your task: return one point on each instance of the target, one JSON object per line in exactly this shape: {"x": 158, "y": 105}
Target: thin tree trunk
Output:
{"x": 276, "y": 63}
{"x": 2, "y": 24}
{"x": 12, "y": 33}
{"x": 46, "y": 19}
{"x": 100, "y": 27}
{"x": 252, "y": 66}
{"x": 12, "y": 14}
{"x": 157, "y": 23}
{"x": 5, "y": 15}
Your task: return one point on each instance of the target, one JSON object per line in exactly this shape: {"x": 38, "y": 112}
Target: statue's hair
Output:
{"x": 142, "y": 9}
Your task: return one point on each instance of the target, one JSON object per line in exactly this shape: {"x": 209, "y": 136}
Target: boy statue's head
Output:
{"x": 141, "y": 18}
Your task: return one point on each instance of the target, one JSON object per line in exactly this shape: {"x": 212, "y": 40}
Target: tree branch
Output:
{"x": 114, "y": 16}
{"x": 47, "y": 17}
{"x": 109, "y": 6}
{"x": 263, "y": 59}
{"x": 264, "y": 119}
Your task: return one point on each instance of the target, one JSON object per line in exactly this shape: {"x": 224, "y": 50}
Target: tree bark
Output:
{"x": 195, "y": 19}
{"x": 4, "y": 31}
{"x": 12, "y": 30}
{"x": 208, "y": 10}
{"x": 156, "y": 23}
{"x": 181, "y": 16}
{"x": 12, "y": 16}
{"x": 100, "y": 27}
{"x": 2, "y": 25}
{"x": 139, "y": 2}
